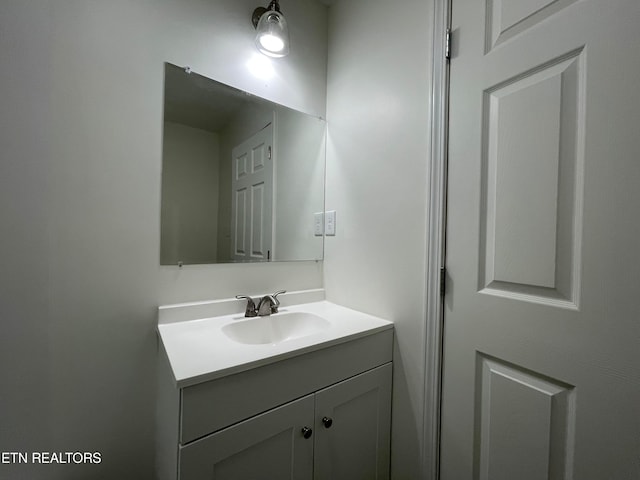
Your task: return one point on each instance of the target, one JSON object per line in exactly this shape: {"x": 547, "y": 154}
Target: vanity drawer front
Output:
{"x": 211, "y": 406}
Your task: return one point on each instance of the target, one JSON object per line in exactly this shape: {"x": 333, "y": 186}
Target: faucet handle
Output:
{"x": 251, "y": 310}
{"x": 275, "y": 298}
{"x": 278, "y": 293}
{"x": 275, "y": 303}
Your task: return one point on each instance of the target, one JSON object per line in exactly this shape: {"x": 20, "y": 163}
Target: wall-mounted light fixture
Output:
{"x": 272, "y": 34}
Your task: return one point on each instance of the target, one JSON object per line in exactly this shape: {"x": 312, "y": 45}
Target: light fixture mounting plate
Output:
{"x": 257, "y": 13}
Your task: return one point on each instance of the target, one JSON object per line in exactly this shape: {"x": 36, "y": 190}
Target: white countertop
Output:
{"x": 198, "y": 350}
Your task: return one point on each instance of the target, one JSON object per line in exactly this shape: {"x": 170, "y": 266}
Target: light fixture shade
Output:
{"x": 272, "y": 36}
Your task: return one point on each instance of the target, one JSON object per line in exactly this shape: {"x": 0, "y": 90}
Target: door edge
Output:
{"x": 436, "y": 224}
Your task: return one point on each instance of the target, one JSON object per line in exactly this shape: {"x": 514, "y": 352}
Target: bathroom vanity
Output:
{"x": 307, "y": 397}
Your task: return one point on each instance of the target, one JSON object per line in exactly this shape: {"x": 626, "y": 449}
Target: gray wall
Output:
{"x": 189, "y": 208}
{"x": 377, "y": 111}
{"x": 80, "y": 133}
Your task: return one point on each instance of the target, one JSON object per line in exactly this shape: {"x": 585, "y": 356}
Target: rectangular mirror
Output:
{"x": 242, "y": 177}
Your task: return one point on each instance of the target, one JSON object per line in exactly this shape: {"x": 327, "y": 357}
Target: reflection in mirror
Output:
{"x": 242, "y": 177}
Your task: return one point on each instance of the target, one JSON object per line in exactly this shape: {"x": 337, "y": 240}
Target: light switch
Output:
{"x": 330, "y": 222}
{"x": 318, "y": 224}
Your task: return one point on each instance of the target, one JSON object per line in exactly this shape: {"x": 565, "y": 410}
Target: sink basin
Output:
{"x": 276, "y": 328}
{"x": 207, "y": 341}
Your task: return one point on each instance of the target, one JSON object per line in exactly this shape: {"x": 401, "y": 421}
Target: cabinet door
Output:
{"x": 266, "y": 447}
{"x": 352, "y": 428}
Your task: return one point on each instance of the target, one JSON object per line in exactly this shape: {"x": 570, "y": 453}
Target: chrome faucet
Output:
{"x": 269, "y": 304}
{"x": 266, "y": 306}
{"x": 251, "y": 310}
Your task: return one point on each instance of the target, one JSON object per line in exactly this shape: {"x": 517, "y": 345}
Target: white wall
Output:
{"x": 80, "y": 133}
{"x": 300, "y": 173}
{"x": 377, "y": 111}
{"x": 189, "y": 205}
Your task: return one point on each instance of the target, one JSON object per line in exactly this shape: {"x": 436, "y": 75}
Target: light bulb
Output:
{"x": 271, "y": 43}
{"x": 272, "y": 37}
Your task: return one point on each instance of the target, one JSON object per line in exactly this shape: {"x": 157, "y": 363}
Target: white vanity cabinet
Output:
{"x": 341, "y": 432}
{"x": 321, "y": 415}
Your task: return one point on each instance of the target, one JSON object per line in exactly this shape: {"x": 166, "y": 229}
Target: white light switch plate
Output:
{"x": 330, "y": 223}
{"x": 318, "y": 224}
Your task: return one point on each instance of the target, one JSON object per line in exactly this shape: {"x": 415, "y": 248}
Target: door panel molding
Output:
{"x": 518, "y": 410}
{"x": 507, "y": 19}
{"x": 529, "y": 175}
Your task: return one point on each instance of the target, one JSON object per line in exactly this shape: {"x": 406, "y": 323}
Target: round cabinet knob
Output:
{"x": 306, "y": 432}
{"x": 327, "y": 422}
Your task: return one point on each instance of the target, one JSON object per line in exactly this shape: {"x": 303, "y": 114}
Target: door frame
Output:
{"x": 436, "y": 237}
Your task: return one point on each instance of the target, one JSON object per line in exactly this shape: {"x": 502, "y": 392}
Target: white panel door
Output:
{"x": 252, "y": 198}
{"x": 542, "y": 309}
